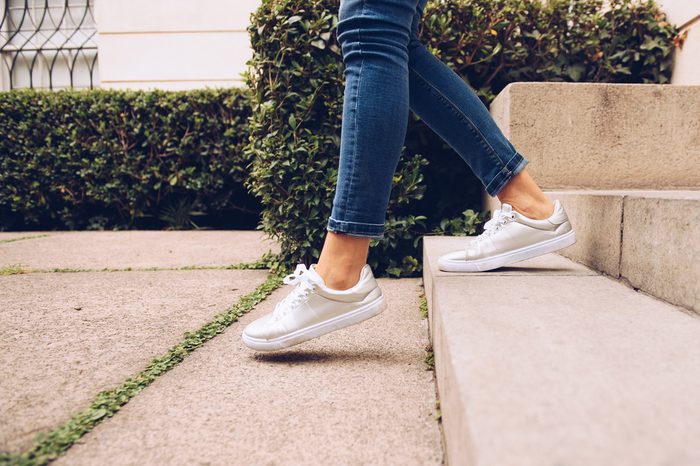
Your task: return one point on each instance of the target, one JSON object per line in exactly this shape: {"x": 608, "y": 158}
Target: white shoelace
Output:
{"x": 298, "y": 295}
{"x": 498, "y": 220}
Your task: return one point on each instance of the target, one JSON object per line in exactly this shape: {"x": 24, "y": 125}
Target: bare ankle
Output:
{"x": 342, "y": 259}
{"x": 535, "y": 209}
{"x": 339, "y": 280}
{"x": 526, "y": 197}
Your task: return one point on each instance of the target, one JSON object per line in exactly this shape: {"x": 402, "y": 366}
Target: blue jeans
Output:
{"x": 387, "y": 72}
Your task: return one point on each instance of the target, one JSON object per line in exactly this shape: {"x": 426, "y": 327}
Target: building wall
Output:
{"x": 181, "y": 44}
{"x": 686, "y": 15}
{"x": 173, "y": 44}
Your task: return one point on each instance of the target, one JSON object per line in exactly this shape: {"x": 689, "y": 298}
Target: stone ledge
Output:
{"x": 604, "y": 136}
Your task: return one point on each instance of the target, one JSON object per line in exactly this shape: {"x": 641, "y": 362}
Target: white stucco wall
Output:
{"x": 184, "y": 44}
{"x": 685, "y": 14}
{"x": 172, "y": 44}
{"x": 181, "y": 44}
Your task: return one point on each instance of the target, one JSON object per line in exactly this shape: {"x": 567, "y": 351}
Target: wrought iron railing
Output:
{"x": 48, "y": 44}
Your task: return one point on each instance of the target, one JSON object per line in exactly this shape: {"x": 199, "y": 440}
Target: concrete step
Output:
{"x": 651, "y": 239}
{"x": 549, "y": 363}
{"x": 604, "y": 136}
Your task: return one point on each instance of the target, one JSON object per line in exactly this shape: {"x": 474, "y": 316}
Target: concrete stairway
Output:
{"x": 649, "y": 239}
{"x": 623, "y": 159}
{"x": 548, "y": 362}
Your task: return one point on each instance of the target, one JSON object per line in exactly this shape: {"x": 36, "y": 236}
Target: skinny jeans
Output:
{"x": 389, "y": 72}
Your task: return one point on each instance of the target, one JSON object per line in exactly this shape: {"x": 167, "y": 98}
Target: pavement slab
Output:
{"x": 361, "y": 395}
{"x": 136, "y": 249}
{"x": 66, "y": 336}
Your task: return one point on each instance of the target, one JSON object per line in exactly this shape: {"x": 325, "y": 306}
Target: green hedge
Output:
{"x": 296, "y": 76}
{"x": 121, "y": 159}
{"x": 493, "y": 43}
{"x": 125, "y": 159}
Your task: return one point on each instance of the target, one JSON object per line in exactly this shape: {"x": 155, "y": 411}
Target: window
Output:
{"x": 48, "y": 44}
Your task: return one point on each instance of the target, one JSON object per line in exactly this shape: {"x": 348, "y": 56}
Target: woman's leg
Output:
{"x": 342, "y": 259}
{"x": 451, "y": 108}
{"x": 374, "y": 37}
{"x": 528, "y": 224}
{"x": 378, "y": 76}
{"x": 526, "y": 197}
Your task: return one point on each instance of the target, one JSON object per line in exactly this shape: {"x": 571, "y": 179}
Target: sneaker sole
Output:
{"x": 517, "y": 255}
{"x": 360, "y": 314}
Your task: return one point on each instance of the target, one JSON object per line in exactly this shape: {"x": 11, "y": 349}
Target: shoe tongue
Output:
{"x": 506, "y": 208}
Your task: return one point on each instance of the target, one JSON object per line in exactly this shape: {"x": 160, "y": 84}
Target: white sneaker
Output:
{"x": 312, "y": 309}
{"x": 511, "y": 237}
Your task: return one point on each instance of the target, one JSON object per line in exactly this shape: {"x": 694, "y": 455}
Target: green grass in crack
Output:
{"x": 266, "y": 262}
{"x": 242, "y": 266}
{"x": 12, "y": 270}
{"x": 51, "y": 445}
{"x": 429, "y": 359}
{"x": 423, "y": 307}
{"x": 21, "y": 238}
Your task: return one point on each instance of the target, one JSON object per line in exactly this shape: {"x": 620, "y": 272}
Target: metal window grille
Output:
{"x": 48, "y": 44}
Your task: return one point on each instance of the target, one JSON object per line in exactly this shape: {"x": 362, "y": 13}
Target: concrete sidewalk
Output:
{"x": 136, "y": 249}
{"x": 361, "y": 395}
